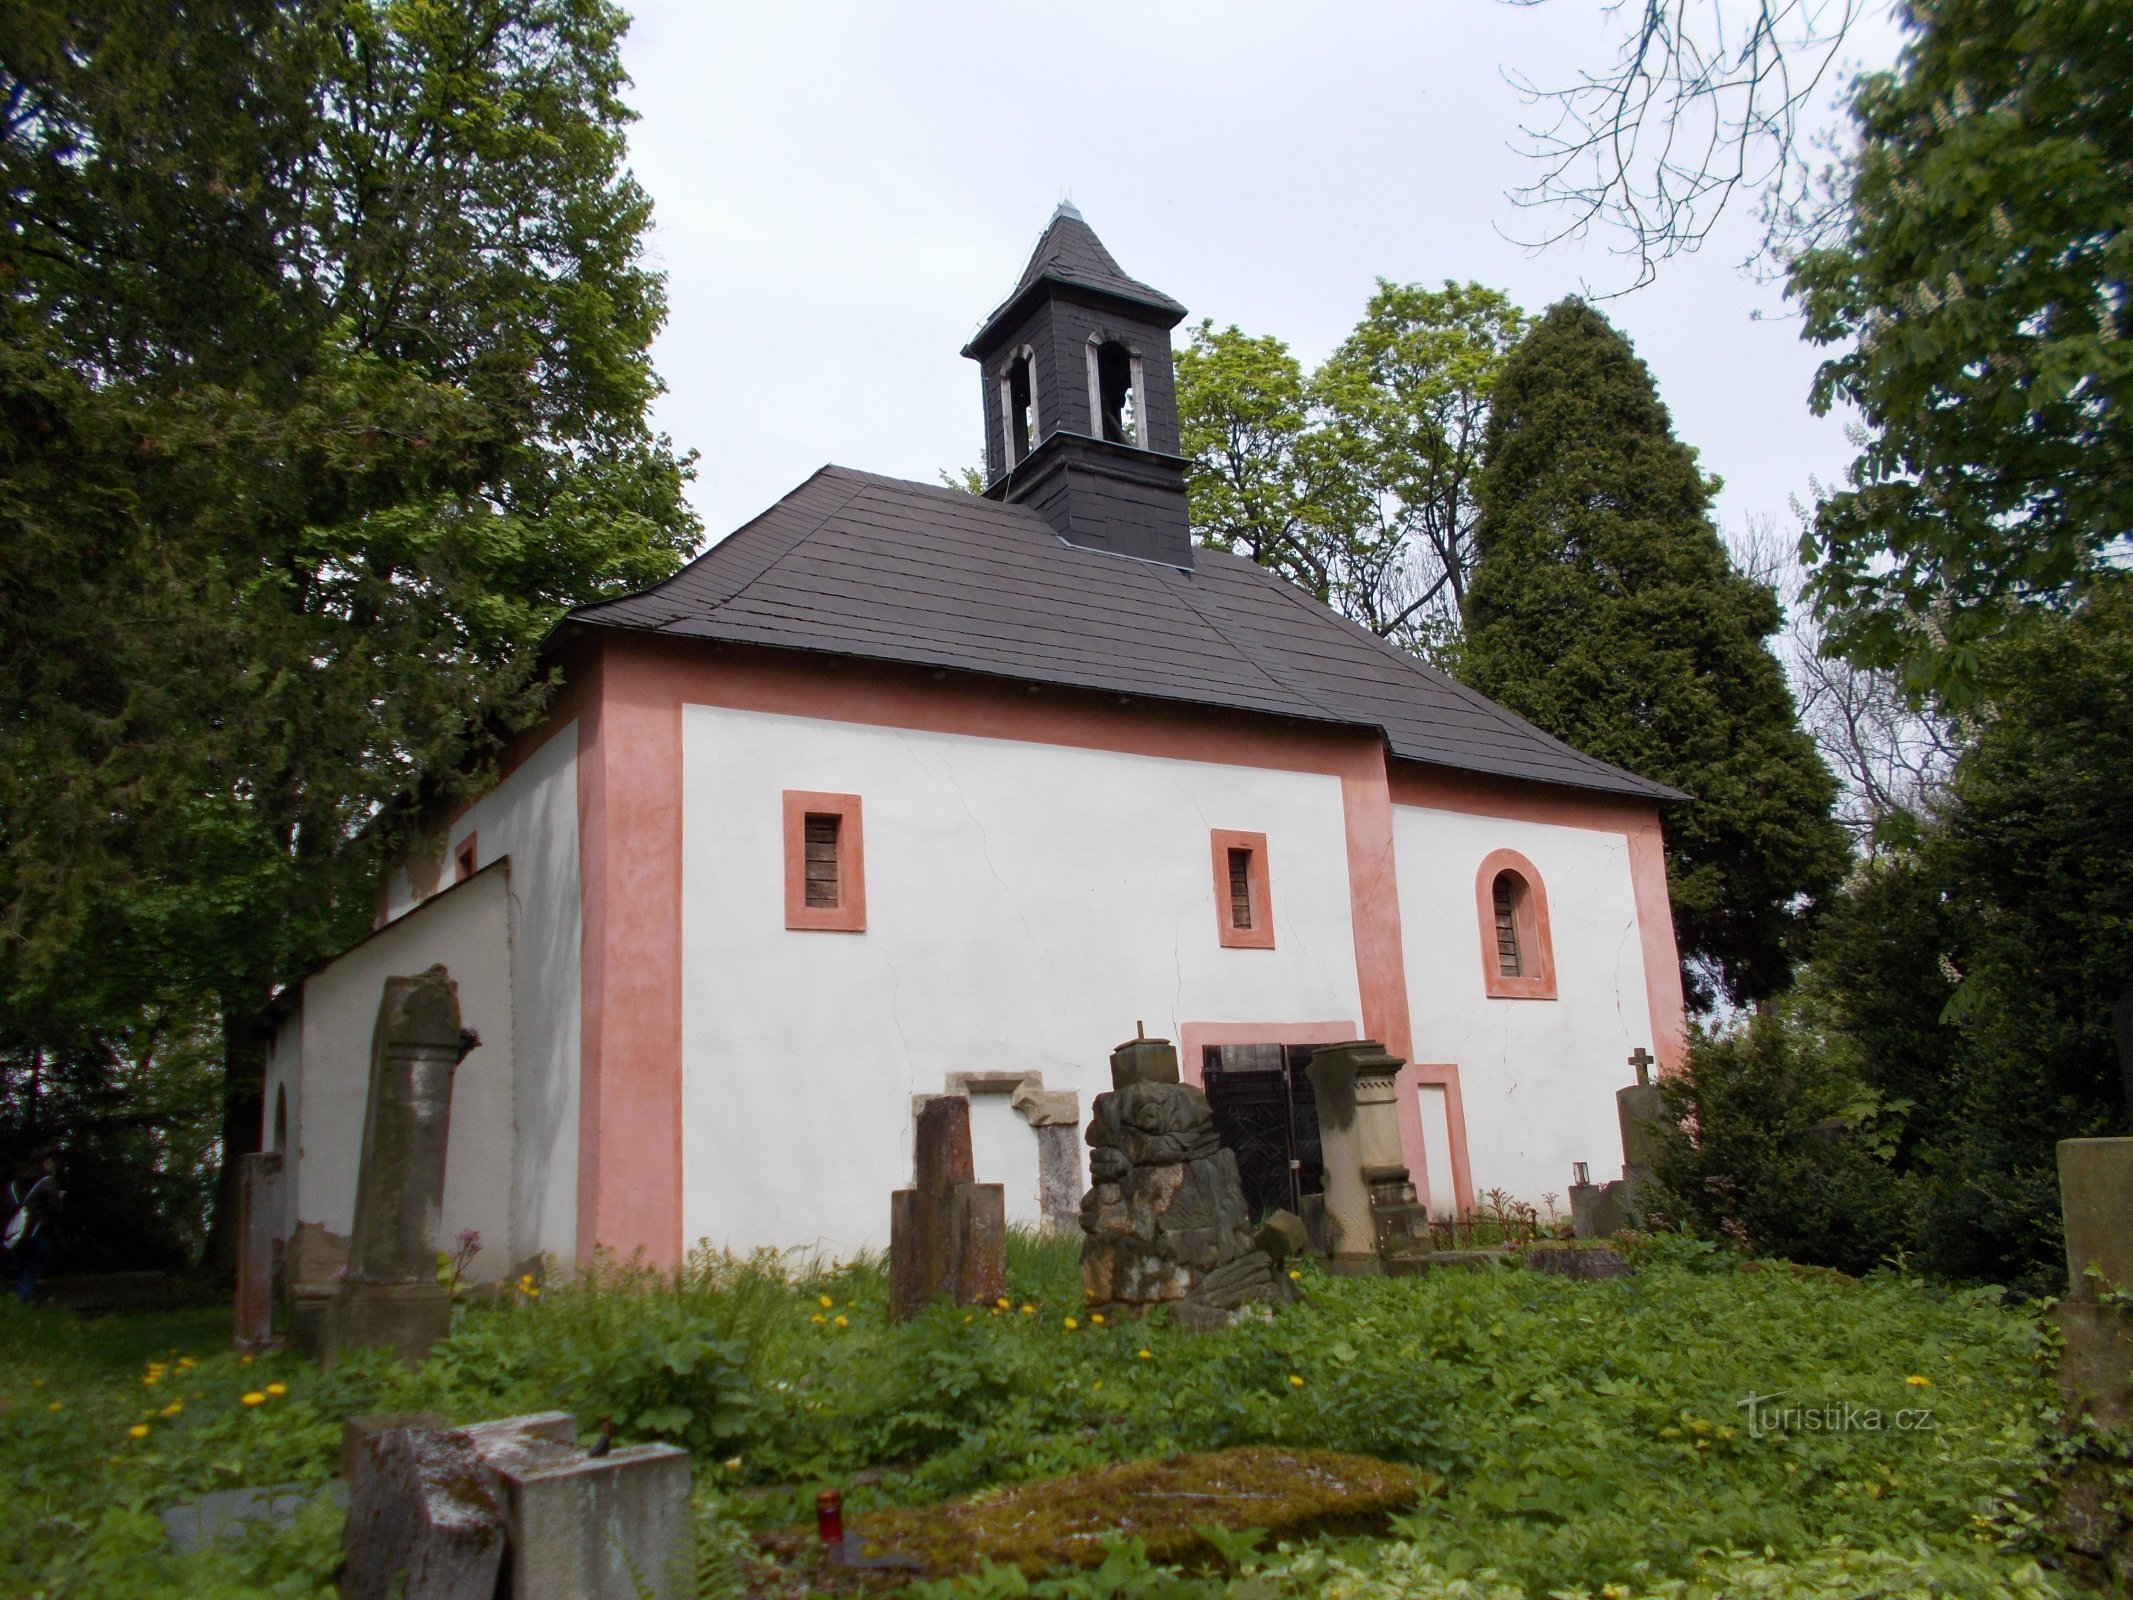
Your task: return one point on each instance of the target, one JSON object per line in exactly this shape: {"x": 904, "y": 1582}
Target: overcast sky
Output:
{"x": 843, "y": 190}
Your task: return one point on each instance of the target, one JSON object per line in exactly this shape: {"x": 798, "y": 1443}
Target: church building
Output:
{"x": 900, "y": 790}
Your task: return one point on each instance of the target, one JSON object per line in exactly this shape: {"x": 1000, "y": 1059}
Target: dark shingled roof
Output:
{"x": 851, "y": 564}
{"x": 1069, "y": 253}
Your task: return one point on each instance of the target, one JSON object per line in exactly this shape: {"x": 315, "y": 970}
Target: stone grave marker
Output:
{"x": 391, "y": 1297}
{"x": 423, "y": 1521}
{"x": 263, "y": 1187}
{"x": 1165, "y": 1220}
{"x": 2096, "y": 1212}
{"x": 948, "y": 1232}
{"x": 1373, "y": 1213}
{"x": 585, "y": 1527}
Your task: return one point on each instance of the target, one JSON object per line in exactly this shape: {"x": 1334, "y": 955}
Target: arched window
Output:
{"x": 1018, "y": 405}
{"x": 1115, "y": 394}
{"x": 1517, "y": 958}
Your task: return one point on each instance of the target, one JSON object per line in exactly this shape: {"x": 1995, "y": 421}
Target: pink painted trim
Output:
{"x": 1529, "y": 908}
{"x": 849, "y": 914}
{"x": 629, "y": 1097}
{"x": 1662, "y": 958}
{"x": 1259, "y": 893}
{"x": 466, "y": 858}
{"x": 1195, "y": 1037}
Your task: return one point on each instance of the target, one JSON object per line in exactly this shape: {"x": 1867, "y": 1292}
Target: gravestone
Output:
{"x": 1641, "y": 1111}
{"x": 1373, "y": 1214}
{"x": 263, "y": 1187}
{"x": 2096, "y": 1213}
{"x": 391, "y": 1298}
{"x": 584, "y": 1527}
{"x": 314, "y": 1264}
{"x": 423, "y": 1522}
{"x": 1165, "y": 1220}
{"x": 948, "y": 1232}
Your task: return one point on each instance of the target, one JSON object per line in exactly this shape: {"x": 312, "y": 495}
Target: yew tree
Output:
{"x": 1604, "y": 608}
{"x": 324, "y": 389}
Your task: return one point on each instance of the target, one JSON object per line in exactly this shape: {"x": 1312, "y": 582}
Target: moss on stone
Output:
{"x": 1064, "y": 1522}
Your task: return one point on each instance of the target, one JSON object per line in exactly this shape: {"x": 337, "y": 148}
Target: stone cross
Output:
{"x": 947, "y": 1232}
{"x": 1641, "y": 1059}
{"x": 391, "y": 1297}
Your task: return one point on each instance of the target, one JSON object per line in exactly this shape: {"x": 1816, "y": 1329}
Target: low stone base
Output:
{"x": 405, "y": 1318}
{"x": 2096, "y": 1366}
{"x": 585, "y": 1527}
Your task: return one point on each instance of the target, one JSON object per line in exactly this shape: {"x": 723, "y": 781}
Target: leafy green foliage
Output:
{"x": 1571, "y": 1422}
{"x": 1791, "y": 1154}
{"x": 1603, "y": 608}
{"x": 1355, "y": 483}
{"x": 323, "y": 389}
{"x": 1980, "y": 295}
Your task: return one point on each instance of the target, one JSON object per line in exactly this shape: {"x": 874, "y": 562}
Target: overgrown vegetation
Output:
{"x": 1586, "y": 1434}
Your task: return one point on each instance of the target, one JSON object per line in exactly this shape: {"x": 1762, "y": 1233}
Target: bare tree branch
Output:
{"x": 1705, "y": 98}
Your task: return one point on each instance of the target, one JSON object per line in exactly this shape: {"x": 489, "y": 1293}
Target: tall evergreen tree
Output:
{"x": 1604, "y": 609}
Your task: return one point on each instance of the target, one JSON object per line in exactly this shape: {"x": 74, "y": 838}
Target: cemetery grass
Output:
{"x": 1574, "y": 1438}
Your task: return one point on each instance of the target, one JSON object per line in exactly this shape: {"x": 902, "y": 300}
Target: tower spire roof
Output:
{"x": 1069, "y": 254}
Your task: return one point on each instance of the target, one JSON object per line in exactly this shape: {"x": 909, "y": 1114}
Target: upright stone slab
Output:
{"x": 947, "y": 1233}
{"x": 391, "y": 1297}
{"x": 2096, "y": 1207}
{"x": 1641, "y": 1111}
{"x": 263, "y": 1187}
{"x": 585, "y": 1527}
{"x": 1371, "y": 1207}
{"x": 1165, "y": 1220}
{"x": 423, "y": 1523}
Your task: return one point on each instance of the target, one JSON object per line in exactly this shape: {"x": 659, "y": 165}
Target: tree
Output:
{"x": 1704, "y": 98}
{"x": 1356, "y": 482}
{"x": 1604, "y": 609}
{"x": 1409, "y": 390}
{"x": 324, "y": 391}
{"x": 1979, "y": 292}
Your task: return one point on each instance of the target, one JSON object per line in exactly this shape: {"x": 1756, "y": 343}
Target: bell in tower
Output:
{"x": 1081, "y": 411}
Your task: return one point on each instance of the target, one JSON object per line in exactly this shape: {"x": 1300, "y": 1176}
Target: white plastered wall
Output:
{"x": 532, "y": 817}
{"x": 321, "y": 1059}
{"x": 1027, "y": 904}
{"x": 1538, "y": 1076}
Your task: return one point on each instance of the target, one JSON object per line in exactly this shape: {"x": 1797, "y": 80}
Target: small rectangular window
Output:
{"x": 1240, "y": 888}
{"x": 1244, "y": 897}
{"x": 822, "y": 860}
{"x": 825, "y": 862}
{"x": 464, "y": 860}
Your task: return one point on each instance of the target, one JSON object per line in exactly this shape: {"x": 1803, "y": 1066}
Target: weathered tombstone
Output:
{"x": 1641, "y": 1111}
{"x": 391, "y": 1297}
{"x": 2096, "y": 1212}
{"x": 585, "y": 1527}
{"x": 1372, "y": 1210}
{"x": 948, "y": 1232}
{"x": 314, "y": 1264}
{"x": 1165, "y": 1220}
{"x": 262, "y": 1191}
{"x": 423, "y": 1522}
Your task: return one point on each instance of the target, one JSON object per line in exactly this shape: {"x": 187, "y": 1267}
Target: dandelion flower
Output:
{"x": 824, "y": 1301}
{"x": 244, "y": 1361}
{"x": 733, "y": 1463}
{"x": 151, "y": 1380}
{"x": 1096, "y": 1319}
{"x": 818, "y": 1318}
{"x": 1071, "y": 1324}
{"x": 1003, "y": 1302}
{"x": 187, "y": 1362}
{"x": 968, "y": 1316}
{"x": 54, "y": 1405}
{"x": 1145, "y": 1355}
{"x": 1919, "y": 1380}
{"x": 533, "y": 1290}
{"x": 254, "y": 1398}
{"x": 277, "y": 1389}
{"x": 1099, "y": 1383}
{"x": 173, "y": 1408}
{"x": 138, "y": 1431}
{"x": 1029, "y": 1310}
{"x": 1295, "y": 1276}
{"x": 1295, "y": 1382}
{"x": 843, "y": 1322}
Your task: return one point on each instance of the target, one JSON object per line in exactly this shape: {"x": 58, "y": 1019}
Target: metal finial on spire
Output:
{"x": 1066, "y": 208}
